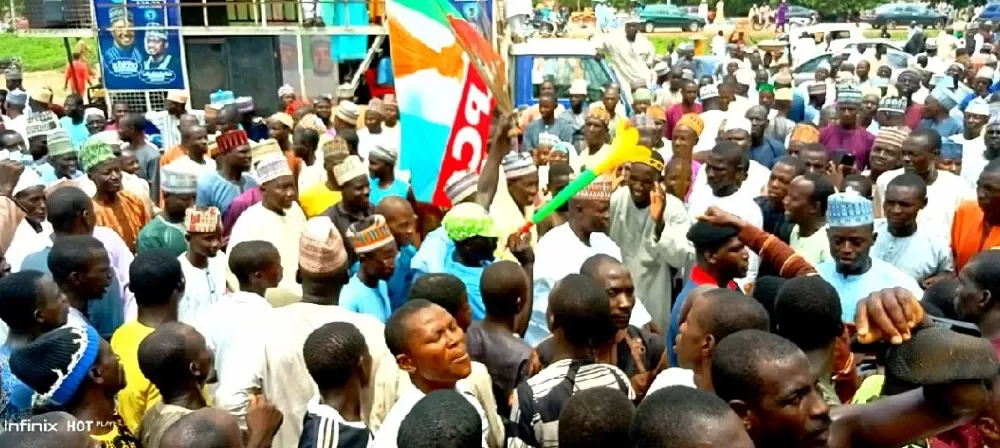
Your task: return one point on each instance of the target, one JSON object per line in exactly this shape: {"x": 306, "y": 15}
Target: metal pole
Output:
{"x": 301, "y": 64}
{"x": 71, "y": 68}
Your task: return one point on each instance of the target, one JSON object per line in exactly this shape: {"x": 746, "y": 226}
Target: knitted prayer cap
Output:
{"x": 817, "y": 88}
{"x": 29, "y": 178}
{"x": 231, "y": 140}
{"x": 351, "y": 168}
{"x": 693, "y": 121}
{"x": 202, "y": 219}
{"x": 321, "y": 248}
{"x": 978, "y": 106}
{"x": 264, "y": 149}
{"x": 985, "y": 72}
{"x": 468, "y": 220}
{"x": 57, "y": 363}
{"x": 377, "y": 106}
{"x": 348, "y": 111}
{"x": 951, "y": 150}
{"x": 461, "y": 185}
{"x": 563, "y": 147}
{"x": 286, "y": 89}
{"x": 518, "y": 164}
{"x": 599, "y": 112}
{"x": 598, "y": 190}
{"x": 284, "y": 119}
{"x": 176, "y": 179}
{"x": 642, "y": 95}
{"x": 120, "y": 13}
{"x": 737, "y": 124}
{"x": 369, "y": 234}
{"x": 271, "y": 167}
{"x": 222, "y": 98}
{"x": 871, "y": 91}
{"x": 783, "y": 94}
{"x": 892, "y": 137}
{"x": 384, "y": 152}
{"x": 945, "y": 98}
{"x": 708, "y": 92}
{"x": 176, "y": 96}
{"x": 848, "y": 95}
{"x": 547, "y": 139}
{"x": 94, "y": 152}
{"x": 244, "y": 104}
{"x": 892, "y": 104}
{"x": 93, "y": 112}
{"x": 17, "y": 97}
{"x": 656, "y": 112}
{"x": 578, "y": 87}
{"x": 13, "y": 73}
{"x": 59, "y": 143}
{"x": 849, "y": 209}
{"x": 311, "y": 121}
{"x": 643, "y": 122}
{"x": 40, "y": 124}
{"x": 390, "y": 101}
{"x": 334, "y": 146}
{"x": 766, "y": 88}
{"x": 804, "y": 133}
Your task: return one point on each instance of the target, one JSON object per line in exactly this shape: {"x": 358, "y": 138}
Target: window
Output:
{"x": 841, "y": 34}
{"x": 564, "y": 69}
{"x": 812, "y": 64}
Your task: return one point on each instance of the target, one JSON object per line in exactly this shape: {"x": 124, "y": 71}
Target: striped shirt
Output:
{"x": 324, "y": 427}
{"x": 126, "y": 216}
{"x": 539, "y": 401}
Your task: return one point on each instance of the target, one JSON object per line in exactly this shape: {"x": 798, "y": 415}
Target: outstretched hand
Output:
{"x": 890, "y": 314}
{"x": 719, "y": 217}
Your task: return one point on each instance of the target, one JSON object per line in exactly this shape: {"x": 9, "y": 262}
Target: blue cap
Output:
{"x": 849, "y": 209}
{"x": 951, "y": 150}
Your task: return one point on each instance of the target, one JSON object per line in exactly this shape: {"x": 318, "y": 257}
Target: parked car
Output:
{"x": 990, "y": 13}
{"x": 806, "y": 71}
{"x": 662, "y": 16}
{"x": 801, "y": 12}
{"x": 894, "y": 14}
{"x": 850, "y": 44}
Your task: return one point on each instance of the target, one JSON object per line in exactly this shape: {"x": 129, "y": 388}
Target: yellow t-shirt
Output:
{"x": 139, "y": 394}
{"x": 317, "y": 199}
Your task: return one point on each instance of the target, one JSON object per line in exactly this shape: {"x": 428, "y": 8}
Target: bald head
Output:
{"x": 61, "y": 437}
{"x": 187, "y": 120}
{"x": 601, "y": 265}
{"x": 204, "y": 428}
{"x": 394, "y": 206}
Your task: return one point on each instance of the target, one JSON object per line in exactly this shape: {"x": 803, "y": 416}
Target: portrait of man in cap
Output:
{"x": 156, "y": 48}
{"x": 122, "y": 58}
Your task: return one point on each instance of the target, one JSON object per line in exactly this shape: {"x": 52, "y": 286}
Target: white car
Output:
{"x": 806, "y": 71}
{"x": 819, "y": 33}
{"x": 850, "y": 44}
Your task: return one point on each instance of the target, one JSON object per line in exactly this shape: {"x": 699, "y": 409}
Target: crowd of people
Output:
{"x": 791, "y": 266}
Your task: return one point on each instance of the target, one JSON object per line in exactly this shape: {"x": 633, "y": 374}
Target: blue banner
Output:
{"x": 145, "y": 59}
{"x": 478, "y": 12}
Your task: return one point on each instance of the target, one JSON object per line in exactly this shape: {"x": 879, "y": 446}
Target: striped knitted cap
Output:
{"x": 461, "y": 185}
{"x": 518, "y": 164}
{"x": 56, "y": 364}
{"x": 321, "y": 248}
{"x": 892, "y": 137}
{"x": 231, "y": 140}
{"x": 598, "y": 190}
{"x": 59, "y": 143}
{"x": 369, "y": 234}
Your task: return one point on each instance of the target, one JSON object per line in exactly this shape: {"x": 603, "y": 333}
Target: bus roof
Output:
{"x": 555, "y": 47}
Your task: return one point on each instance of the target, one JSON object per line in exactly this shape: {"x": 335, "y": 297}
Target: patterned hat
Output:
{"x": 377, "y": 106}
{"x": 804, "y": 133}
{"x": 176, "y": 96}
{"x": 59, "y": 143}
{"x": 369, "y": 234}
{"x": 599, "y": 112}
{"x": 57, "y": 363}
{"x": 692, "y": 121}
{"x": 518, "y": 164}
{"x": 42, "y": 95}
{"x": 311, "y": 121}
{"x": 708, "y": 92}
{"x": 849, "y": 209}
{"x": 547, "y": 139}
{"x": 351, "y": 168}
{"x": 892, "y": 104}
{"x": 93, "y": 112}
{"x": 945, "y": 98}
{"x": 265, "y": 149}
{"x": 643, "y": 122}
{"x": 17, "y": 97}
{"x": 222, "y": 98}
{"x": 817, "y": 88}
{"x": 94, "y": 152}
{"x": 284, "y": 119}
{"x": 271, "y": 167}
{"x": 334, "y": 146}
{"x": 120, "y": 13}
{"x": 231, "y": 140}
{"x": 244, "y": 104}
{"x": 13, "y": 73}
{"x": 642, "y": 95}
{"x": 40, "y": 124}
{"x": 848, "y": 95}
{"x": 783, "y": 94}
{"x": 286, "y": 89}
{"x": 321, "y": 248}
{"x": 598, "y": 190}
{"x": 202, "y": 219}
{"x": 951, "y": 150}
{"x": 656, "y": 112}
{"x": 978, "y": 106}
{"x": 892, "y": 136}
{"x": 468, "y": 220}
{"x": 174, "y": 179}
{"x": 348, "y": 111}
{"x": 461, "y": 185}
{"x": 385, "y": 152}
{"x": 29, "y": 178}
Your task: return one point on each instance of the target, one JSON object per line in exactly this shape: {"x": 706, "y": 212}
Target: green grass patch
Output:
{"x": 39, "y": 53}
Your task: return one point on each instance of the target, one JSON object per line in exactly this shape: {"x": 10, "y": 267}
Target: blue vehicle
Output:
{"x": 561, "y": 60}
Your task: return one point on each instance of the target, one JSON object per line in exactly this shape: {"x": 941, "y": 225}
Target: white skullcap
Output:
{"x": 978, "y": 106}
{"x": 29, "y": 178}
{"x": 737, "y": 123}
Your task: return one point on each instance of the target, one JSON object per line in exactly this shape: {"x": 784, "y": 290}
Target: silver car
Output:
{"x": 806, "y": 71}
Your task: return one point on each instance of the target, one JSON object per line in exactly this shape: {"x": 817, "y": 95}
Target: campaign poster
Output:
{"x": 477, "y": 12}
{"x": 147, "y": 58}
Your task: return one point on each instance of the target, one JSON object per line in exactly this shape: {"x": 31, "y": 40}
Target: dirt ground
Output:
{"x": 53, "y": 79}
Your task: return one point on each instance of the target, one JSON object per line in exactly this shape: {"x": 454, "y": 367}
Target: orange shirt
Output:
{"x": 173, "y": 154}
{"x": 967, "y": 234}
{"x": 78, "y": 77}
{"x": 126, "y": 217}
